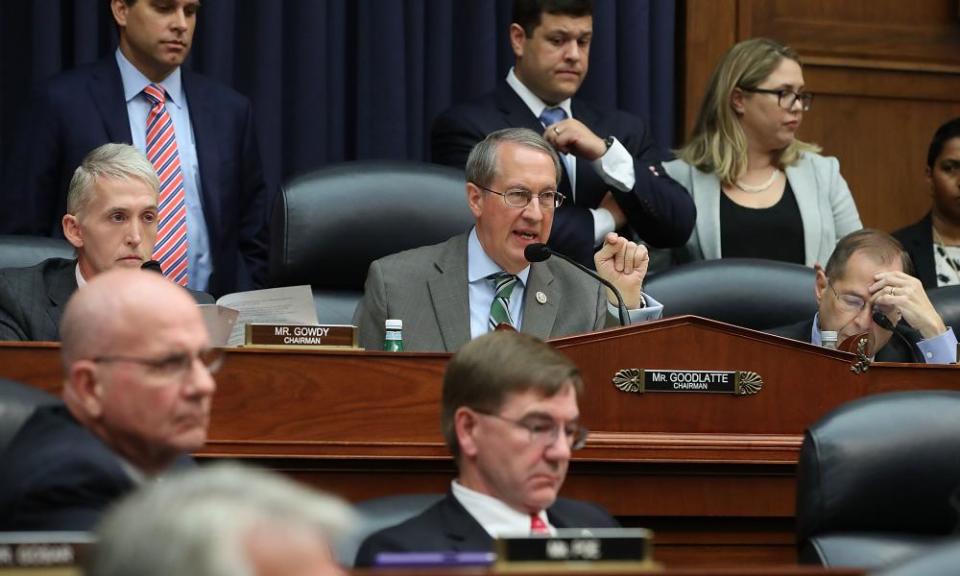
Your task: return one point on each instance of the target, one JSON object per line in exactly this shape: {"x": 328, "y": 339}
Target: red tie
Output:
{"x": 537, "y": 526}
{"x": 171, "y": 247}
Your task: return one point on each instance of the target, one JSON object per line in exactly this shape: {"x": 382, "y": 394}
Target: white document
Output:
{"x": 286, "y": 305}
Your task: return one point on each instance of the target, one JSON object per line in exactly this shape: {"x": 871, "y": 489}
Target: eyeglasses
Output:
{"x": 786, "y": 98}
{"x": 521, "y": 197}
{"x": 175, "y": 364}
{"x": 544, "y": 432}
{"x": 848, "y": 302}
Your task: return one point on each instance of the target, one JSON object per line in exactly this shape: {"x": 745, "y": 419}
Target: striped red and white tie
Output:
{"x": 171, "y": 247}
{"x": 538, "y": 527}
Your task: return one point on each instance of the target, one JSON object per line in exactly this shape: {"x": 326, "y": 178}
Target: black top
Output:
{"x": 774, "y": 233}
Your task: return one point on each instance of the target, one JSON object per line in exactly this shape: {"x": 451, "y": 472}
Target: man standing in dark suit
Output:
{"x": 198, "y": 133}
{"x": 111, "y": 221}
{"x": 614, "y": 177}
{"x": 137, "y": 392}
{"x": 510, "y": 418}
{"x": 868, "y": 278}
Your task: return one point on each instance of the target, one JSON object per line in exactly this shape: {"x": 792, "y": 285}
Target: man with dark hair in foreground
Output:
{"x": 510, "y": 418}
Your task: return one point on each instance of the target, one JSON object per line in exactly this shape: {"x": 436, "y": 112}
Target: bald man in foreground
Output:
{"x": 137, "y": 390}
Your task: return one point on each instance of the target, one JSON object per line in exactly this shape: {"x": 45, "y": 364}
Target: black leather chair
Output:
{"x": 379, "y": 513}
{"x": 23, "y": 251}
{"x": 752, "y": 293}
{"x": 17, "y": 403}
{"x": 875, "y": 479}
{"x": 329, "y": 225}
{"x": 947, "y": 302}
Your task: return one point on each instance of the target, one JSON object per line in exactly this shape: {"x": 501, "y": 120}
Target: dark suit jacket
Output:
{"x": 658, "y": 209}
{"x": 917, "y": 239}
{"x": 84, "y": 108}
{"x": 59, "y": 476}
{"x": 896, "y": 349}
{"x": 32, "y": 299}
{"x": 448, "y": 527}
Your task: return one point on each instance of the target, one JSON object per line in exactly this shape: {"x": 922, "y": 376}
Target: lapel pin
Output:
{"x": 541, "y": 298}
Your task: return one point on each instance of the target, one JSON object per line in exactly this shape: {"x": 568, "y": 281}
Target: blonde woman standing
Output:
{"x": 759, "y": 191}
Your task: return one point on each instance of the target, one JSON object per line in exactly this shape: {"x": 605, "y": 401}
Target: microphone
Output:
{"x": 881, "y": 319}
{"x": 152, "y": 265}
{"x": 540, "y": 252}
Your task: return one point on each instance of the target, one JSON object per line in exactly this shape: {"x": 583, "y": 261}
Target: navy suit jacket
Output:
{"x": 448, "y": 527}
{"x": 58, "y": 476}
{"x": 917, "y": 240}
{"x": 81, "y": 109}
{"x": 658, "y": 209}
{"x": 896, "y": 349}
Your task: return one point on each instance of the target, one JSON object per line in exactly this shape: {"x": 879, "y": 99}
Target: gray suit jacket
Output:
{"x": 32, "y": 299}
{"x": 826, "y": 207}
{"x": 427, "y": 289}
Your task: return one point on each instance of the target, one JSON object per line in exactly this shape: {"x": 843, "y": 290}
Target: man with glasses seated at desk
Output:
{"x": 137, "y": 390}
{"x": 451, "y": 292}
{"x": 867, "y": 287}
{"x": 510, "y": 418}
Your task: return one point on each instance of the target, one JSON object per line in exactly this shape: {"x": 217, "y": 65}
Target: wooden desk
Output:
{"x": 713, "y": 475}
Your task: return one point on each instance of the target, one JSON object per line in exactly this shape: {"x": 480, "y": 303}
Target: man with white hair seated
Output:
{"x": 222, "y": 520}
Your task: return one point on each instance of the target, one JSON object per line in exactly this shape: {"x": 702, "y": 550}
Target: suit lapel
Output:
{"x": 106, "y": 90}
{"x": 202, "y": 114}
{"x": 61, "y": 286}
{"x": 539, "y": 319}
{"x": 462, "y": 530}
{"x": 801, "y": 178}
{"x": 449, "y": 294}
{"x": 706, "y": 195}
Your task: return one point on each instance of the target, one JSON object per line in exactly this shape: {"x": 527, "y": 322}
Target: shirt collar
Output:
{"x": 533, "y": 102}
{"x": 815, "y": 337}
{"x": 480, "y": 266}
{"x": 494, "y": 515}
{"x": 134, "y": 82}
{"x": 81, "y": 281}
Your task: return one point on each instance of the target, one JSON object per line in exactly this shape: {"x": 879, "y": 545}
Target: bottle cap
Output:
{"x": 394, "y": 324}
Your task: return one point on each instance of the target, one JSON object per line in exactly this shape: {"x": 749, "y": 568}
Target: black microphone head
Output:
{"x": 152, "y": 265}
{"x": 536, "y": 252}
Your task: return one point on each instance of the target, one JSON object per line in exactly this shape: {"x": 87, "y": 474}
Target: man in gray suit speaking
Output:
{"x": 449, "y": 293}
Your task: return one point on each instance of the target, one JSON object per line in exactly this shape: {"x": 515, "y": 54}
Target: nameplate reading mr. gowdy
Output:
{"x": 738, "y": 382}
{"x": 296, "y": 336}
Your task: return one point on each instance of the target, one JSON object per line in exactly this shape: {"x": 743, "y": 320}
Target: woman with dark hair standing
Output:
{"x": 934, "y": 242}
{"x": 760, "y": 192}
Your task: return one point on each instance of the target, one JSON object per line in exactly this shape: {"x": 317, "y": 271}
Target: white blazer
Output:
{"x": 826, "y": 207}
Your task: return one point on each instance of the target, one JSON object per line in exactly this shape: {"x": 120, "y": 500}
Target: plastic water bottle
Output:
{"x": 828, "y": 338}
{"x": 393, "y": 340}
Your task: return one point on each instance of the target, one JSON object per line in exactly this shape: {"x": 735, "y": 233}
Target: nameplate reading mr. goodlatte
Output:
{"x": 738, "y": 382}
{"x": 294, "y": 335}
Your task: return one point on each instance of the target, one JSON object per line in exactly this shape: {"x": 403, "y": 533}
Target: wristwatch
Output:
{"x": 609, "y": 140}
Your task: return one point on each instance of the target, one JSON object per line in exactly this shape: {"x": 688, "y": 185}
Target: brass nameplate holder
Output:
{"x": 736, "y": 382}
{"x": 598, "y": 550}
{"x": 300, "y": 336}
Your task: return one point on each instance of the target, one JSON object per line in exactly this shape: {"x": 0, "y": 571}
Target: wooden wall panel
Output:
{"x": 886, "y": 74}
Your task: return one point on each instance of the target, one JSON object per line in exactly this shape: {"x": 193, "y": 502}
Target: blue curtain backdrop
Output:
{"x": 335, "y": 80}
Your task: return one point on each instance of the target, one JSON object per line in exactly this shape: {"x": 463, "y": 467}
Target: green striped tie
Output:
{"x": 503, "y": 284}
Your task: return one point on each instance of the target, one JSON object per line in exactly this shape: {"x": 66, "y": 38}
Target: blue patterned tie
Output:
{"x": 551, "y": 116}
{"x": 503, "y": 285}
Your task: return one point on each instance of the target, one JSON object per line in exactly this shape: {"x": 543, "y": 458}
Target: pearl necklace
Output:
{"x": 753, "y": 189}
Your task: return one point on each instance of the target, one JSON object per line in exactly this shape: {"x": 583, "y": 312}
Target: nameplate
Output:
{"x": 43, "y": 550}
{"x": 736, "y": 382}
{"x": 300, "y": 336}
{"x": 600, "y": 549}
